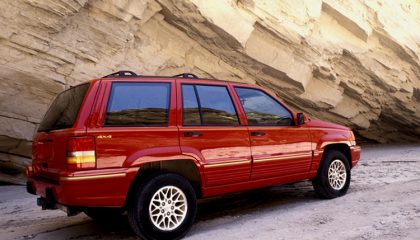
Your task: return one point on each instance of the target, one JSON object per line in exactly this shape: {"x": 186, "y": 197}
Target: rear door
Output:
{"x": 279, "y": 148}
{"x": 211, "y": 131}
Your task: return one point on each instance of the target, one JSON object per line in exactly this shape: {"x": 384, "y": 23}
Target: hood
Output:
{"x": 321, "y": 124}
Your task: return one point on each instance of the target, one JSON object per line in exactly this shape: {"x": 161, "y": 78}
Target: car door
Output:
{"x": 279, "y": 147}
{"x": 211, "y": 131}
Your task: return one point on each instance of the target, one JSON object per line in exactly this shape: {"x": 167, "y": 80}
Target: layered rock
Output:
{"x": 352, "y": 62}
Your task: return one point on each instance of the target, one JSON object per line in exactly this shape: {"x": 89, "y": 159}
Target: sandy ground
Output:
{"x": 383, "y": 203}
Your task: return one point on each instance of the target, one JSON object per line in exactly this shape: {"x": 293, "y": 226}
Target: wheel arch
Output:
{"x": 341, "y": 147}
{"x": 185, "y": 168}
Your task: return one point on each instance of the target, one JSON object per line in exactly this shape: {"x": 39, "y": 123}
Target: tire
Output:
{"x": 337, "y": 182}
{"x": 173, "y": 198}
{"x": 101, "y": 214}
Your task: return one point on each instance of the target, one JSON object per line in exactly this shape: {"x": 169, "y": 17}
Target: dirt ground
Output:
{"x": 383, "y": 203}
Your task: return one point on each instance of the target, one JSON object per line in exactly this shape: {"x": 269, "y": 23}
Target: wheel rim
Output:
{"x": 168, "y": 208}
{"x": 337, "y": 174}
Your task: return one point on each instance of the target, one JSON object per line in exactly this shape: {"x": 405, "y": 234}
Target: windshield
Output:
{"x": 63, "y": 112}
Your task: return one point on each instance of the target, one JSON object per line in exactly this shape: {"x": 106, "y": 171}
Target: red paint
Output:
{"x": 227, "y": 158}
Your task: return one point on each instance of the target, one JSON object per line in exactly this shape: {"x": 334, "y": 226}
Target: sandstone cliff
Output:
{"x": 353, "y": 62}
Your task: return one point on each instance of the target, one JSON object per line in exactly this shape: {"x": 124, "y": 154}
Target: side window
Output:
{"x": 261, "y": 109}
{"x": 138, "y": 104}
{"x": 208, "y": 105}
{"x": 191, "y": 111}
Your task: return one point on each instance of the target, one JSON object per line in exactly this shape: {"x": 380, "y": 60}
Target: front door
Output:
{"x": 210, "y": 130}
{"x": 279, "y": 148}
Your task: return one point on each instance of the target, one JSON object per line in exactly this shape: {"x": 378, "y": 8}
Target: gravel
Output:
{"x": 383, "y": 203}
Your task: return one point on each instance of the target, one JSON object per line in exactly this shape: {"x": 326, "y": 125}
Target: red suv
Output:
{"x": 152, "y": 146}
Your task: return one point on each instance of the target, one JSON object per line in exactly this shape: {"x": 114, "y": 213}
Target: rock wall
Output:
{"x": 353, "y": 62}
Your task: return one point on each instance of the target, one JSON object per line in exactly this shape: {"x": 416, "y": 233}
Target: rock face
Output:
{"x": 352, "y": 62}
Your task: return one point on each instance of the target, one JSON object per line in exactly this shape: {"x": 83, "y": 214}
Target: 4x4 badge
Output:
{"x": 104, "y": 136}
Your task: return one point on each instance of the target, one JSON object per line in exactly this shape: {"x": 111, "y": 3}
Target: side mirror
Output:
{"x": 300, "y": 118}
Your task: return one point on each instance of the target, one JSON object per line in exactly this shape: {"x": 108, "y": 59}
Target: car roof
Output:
{"x": 131, "y": 76}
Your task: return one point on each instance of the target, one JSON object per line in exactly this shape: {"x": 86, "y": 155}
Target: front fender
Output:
{"x": 323, "y": 137}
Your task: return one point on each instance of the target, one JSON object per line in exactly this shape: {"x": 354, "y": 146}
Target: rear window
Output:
{"x": 63, "y": 112}
{"x": 138, "y": 104}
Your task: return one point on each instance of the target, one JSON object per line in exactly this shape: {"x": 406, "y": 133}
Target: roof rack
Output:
{"x": 186, "y": 75}
{"x": 122, "y": 73}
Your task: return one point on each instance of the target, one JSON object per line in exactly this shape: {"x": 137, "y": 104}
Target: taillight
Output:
{"x": 352, "y": 138}
{"x": 81, "y": 153}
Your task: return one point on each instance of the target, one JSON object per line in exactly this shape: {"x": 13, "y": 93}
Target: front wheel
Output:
{"x": 333, "y": 178}
{"x": 164, "y": 208}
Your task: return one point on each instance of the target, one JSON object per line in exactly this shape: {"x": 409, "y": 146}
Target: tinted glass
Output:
{"x": 216, "y": 106}
{"x": 63, "y": 111}
{"x": 191, "y": 112}
{"x": 263, "y": 110}
{"x": 138, "y": 104}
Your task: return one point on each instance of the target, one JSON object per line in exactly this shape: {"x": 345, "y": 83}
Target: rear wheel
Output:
{"x": 333, "y": 178}
{"x": 164, "y": 208}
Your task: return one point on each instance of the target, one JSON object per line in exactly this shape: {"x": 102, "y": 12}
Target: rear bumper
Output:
{"x": 355, "y": 155}
{"x": 96, "y": 188}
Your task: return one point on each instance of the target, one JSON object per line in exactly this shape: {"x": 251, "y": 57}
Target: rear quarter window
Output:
{"x": 64, "y": 110}
{"x": 138, "y": 104}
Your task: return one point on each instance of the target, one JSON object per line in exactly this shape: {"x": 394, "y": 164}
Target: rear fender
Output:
{"x": 164, "y": 159}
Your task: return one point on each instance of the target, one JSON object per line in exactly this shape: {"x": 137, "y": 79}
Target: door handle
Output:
{"x": 257, "y": 134}
{"x": 192, "y": 134}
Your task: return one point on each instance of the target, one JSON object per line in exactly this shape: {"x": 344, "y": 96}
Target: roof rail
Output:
{"x": 186, "y": 75}
{"x": 122, "y": 73}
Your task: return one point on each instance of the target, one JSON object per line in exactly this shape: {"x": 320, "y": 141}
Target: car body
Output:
{"x": 219, "y": 136}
